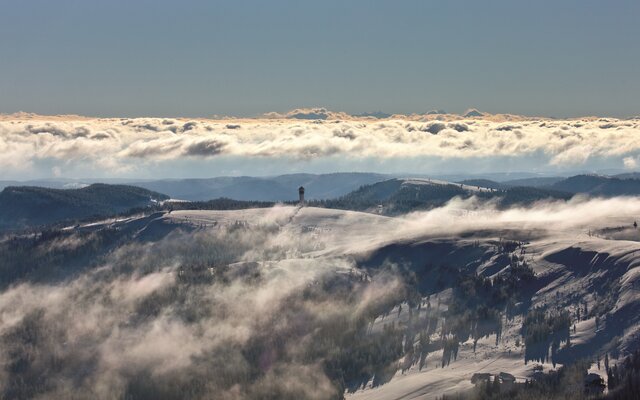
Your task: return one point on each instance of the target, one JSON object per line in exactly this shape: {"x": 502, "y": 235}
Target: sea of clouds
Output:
{"x": 124, "y": 146}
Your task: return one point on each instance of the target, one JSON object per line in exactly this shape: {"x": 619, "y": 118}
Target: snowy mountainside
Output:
{"x": 593, "y": 278}
{"x": 353, "y": 304}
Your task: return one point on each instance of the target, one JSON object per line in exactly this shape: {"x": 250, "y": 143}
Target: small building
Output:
{"x": 301, "y": 194}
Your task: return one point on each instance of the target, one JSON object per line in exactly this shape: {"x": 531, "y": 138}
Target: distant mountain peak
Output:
{"x": 436, "y": 112}
{"x": 472, "y": 112}
{"x": 373, "y": 114}
{"x": 311, "y": 113}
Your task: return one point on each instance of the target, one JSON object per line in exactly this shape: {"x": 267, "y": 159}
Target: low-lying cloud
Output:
{"x": 122, "y": 144}
{"x": 230, "y": 313}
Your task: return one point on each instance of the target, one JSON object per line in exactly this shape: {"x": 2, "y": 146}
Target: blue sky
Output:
{"x": 200, "y": 58}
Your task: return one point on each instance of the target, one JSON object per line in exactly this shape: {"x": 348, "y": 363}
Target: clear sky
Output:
{"x": 243, "y": 58}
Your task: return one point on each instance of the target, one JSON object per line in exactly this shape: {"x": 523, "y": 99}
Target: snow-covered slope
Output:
{"x": 423, "y": 181}
{"x": 573, "y": 268}
{"x": 579, "y": 269}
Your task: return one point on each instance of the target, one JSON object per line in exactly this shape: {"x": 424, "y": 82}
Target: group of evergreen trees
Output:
{"x": 542, "y": 329}
{"x": 623, "y": 379}
{"x": 567, "y": 383}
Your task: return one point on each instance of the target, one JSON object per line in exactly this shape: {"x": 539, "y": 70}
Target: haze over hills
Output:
{"x": 594, "y": 185}
{"x": 270, "y": 188}
{"x": 599, "y": 185}
{"x": 278, "y": 188}
{"x": 333, "y": 185}
{"x": 248, "y": 188}
{"x": 399, "y": 196}
{"x": 534, "y": 182}
{"x": 23, "y": 206}
{"x": 63, "y": 183}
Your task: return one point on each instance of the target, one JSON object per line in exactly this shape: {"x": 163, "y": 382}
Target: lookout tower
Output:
{"x": 301, "y": 193}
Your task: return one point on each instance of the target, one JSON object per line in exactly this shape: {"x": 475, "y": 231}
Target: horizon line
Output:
{"x": 323, "y": 113}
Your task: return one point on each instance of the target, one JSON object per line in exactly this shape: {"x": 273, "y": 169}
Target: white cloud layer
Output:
{"x": 119, "y": 144}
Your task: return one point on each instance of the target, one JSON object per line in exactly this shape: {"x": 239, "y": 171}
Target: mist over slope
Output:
{"x": 354, "y": 191}
{"x": 290, "y": 302}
